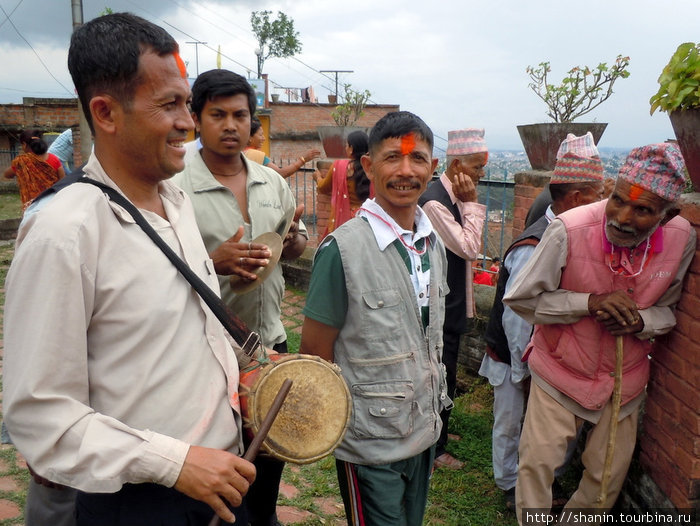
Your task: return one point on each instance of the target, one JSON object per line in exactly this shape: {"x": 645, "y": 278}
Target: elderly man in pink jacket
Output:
{"x": 613, "y": 268}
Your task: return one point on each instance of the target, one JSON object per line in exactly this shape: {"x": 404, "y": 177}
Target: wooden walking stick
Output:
{"x": 265, "y": 426}
{"x": 616, "y": 399}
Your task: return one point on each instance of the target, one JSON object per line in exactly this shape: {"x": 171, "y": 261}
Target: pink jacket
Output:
{"x": 579, "y": 359}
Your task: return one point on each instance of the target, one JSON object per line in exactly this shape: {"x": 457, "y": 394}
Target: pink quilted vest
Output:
{"x": 579, "y": 359}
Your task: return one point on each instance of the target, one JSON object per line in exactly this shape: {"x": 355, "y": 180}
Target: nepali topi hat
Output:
{"x": 578, "y": 161}
{"x": 466, "y": 142}
{"x": 658, "y": 168}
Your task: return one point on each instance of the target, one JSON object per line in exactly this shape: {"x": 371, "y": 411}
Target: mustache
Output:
{"x": 625, "y": 229}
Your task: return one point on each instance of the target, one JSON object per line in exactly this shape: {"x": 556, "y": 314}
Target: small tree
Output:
{"x": 276, "y": 38}
{"x": 581, "y": 91}
{"x": 352, "y": 108}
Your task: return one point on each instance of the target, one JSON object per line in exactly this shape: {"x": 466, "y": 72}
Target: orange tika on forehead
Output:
{"x": 635, "y": 192}
{"x": 180, "y": 64}
{"x": 408, "y": 143}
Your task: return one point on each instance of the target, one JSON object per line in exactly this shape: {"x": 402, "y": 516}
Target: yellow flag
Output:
{"x": 218, "y": 58}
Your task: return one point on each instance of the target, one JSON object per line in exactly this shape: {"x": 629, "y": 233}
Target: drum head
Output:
{"x": 315, "y": 414}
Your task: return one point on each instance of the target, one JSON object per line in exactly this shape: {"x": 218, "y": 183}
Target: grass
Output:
{"x": 10, "y": 206}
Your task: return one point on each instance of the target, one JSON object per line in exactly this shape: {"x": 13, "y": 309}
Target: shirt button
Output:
{"x": 599, "y": 406}
{"x": 418, "y": 268}
{"x": 612, "y": 373}
{"x": 383, "y": 410}
{"x": 380, "y": 303}
{"x": 421, "y": 295}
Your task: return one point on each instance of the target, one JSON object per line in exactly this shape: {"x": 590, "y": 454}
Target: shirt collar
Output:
{"x": 386, "y": 230}
{"x": 448, "y": 186}
{"x": 167, "y": 189}
{"x": 203, "y": 180}
{"x": 549, "y": 214}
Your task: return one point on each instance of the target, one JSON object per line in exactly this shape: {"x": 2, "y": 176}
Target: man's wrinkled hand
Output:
{"x": 235, "y": 258}
{"x": 617, "y": 311}
{"x": 215, "y": 477}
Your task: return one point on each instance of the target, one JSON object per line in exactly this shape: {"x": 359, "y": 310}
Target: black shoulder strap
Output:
{"x": 247, "y": 339}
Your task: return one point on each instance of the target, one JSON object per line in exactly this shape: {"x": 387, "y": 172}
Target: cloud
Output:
{"x": 456, "y": 63}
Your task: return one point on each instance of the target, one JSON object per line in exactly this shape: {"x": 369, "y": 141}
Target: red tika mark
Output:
{"x": 180, "y": 65}
{"x": 636, "y": 192}
{"x": 408, "y": 143}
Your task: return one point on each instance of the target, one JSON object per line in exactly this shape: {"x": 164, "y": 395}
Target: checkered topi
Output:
{"x": 466, "y": 142}
{"x": 577, "y": 161}
{"x": 658, "y": 168}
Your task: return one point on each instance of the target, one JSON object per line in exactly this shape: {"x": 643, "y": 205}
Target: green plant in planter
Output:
{"x": 581, "y": 90}
{"x": 352, "y": 108}
{"x": 679, "y": 81}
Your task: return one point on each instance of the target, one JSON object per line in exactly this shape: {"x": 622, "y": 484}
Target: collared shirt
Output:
{"x": 327, "y": 303}
{"x": 271, "y": 208}
{"x": 463, "y": 240}
{"x": 113, "y": 365}
{"x": 386, "y": 231}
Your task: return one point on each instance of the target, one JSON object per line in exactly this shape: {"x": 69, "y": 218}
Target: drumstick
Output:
{"x": 267, "y": 422}
{"x": 265, "y": 426}
{"x": 616, "y": 396}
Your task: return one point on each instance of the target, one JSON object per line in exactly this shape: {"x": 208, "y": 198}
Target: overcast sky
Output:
{"x": 455, "y": 63}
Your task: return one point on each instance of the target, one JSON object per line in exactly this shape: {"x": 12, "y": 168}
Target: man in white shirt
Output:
{"x": 119, "y": 381}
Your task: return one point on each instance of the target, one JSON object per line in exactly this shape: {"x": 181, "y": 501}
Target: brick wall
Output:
{"x": 293, "y": 126}
{"x": 43, "y": 114}
{"x": 669, "y": 438}
{"x": 46, "y": 115}
{"x": 670, "y": 441}
{"x": 528, "y": 185}
{"x": 293, "y": 132}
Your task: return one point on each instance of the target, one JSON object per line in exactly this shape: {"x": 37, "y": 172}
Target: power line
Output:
{"x": 35, "y": 52}
{"x": 7, "y": 17}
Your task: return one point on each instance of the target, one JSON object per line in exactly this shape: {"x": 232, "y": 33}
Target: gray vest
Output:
{"x": 392, "y": 366}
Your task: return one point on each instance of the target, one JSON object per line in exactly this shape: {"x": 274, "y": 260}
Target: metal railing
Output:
{"x": 495, "y": 190}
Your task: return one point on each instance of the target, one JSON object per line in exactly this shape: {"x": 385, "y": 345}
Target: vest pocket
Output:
{"x": 383, "y": 409}
{"x": 383, "y": 314}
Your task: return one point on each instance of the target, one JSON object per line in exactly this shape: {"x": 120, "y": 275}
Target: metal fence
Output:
{"x": 495, "y": 190}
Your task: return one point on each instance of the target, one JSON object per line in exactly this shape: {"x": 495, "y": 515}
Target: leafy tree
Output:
{"x": 276, "y": 38}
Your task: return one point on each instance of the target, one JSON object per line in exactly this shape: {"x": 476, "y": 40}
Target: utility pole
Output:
{"x": 85, "y": 134}
{"x": 336, "y": 71}
{"x": 196, "y": 53}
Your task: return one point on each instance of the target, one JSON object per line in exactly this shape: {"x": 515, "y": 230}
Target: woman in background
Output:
{"x": 346, "y": 181}
{"x": 35, "y": 169}
{"x": 255, "y": 154}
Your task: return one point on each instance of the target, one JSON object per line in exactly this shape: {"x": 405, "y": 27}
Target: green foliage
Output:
{"x": 679, "y": 81}
{"x": 581, "y": 90}
{"x": 276, "y": 38}
{"x": 352, "y": 108}
{"x": 106, "y": 11}
{"x": 10, "y": 205}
